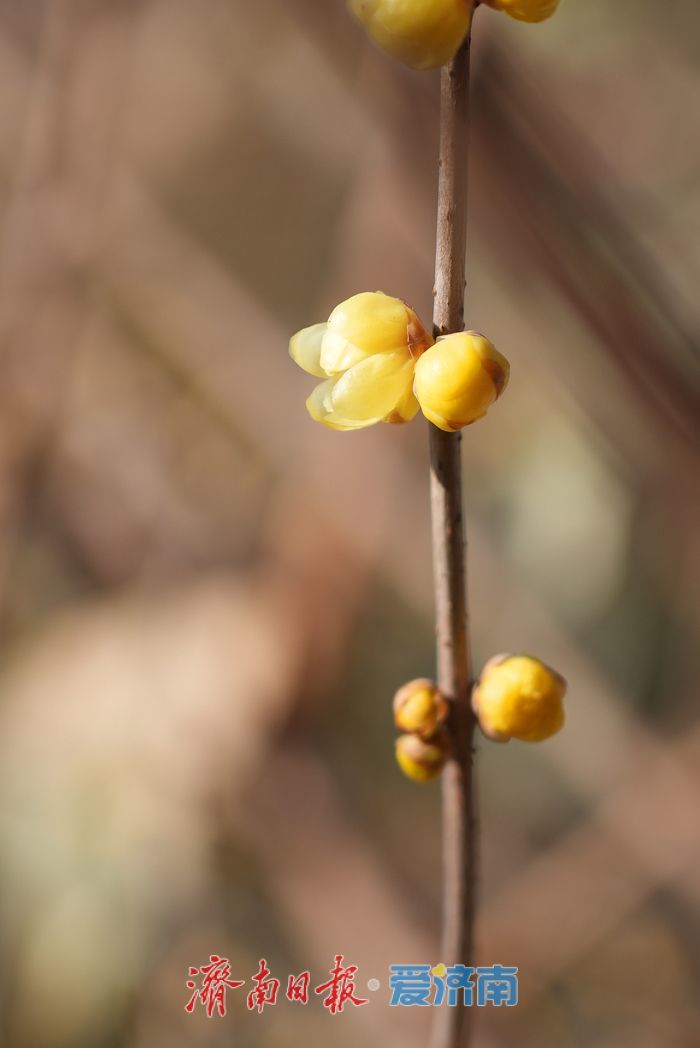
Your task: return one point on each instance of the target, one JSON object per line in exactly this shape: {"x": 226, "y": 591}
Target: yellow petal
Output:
{"x": 407, "y": 407}
{"x": 319, "y": 403}
{"x": 338, "y": 354}
{"x": 371, "y": 321}
{"x": 320, "y": 407}
{"x": 374, "y": 387}
{"x": 305, "y": 349}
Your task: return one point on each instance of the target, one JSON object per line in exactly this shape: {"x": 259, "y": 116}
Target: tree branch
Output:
{"x": 453, "y": 1025}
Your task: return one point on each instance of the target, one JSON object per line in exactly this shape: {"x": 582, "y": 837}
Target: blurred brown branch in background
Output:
{"x": 561, "y": 215}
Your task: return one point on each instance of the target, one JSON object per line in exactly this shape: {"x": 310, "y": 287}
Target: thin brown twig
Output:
{"x": 452, "y": 1026}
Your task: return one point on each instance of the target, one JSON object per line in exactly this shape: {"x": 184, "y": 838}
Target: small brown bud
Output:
{"x": 421, "y": 760}
{"x": 420, "y": 708}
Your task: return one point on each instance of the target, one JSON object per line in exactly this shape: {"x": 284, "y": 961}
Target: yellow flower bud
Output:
{"x": 366, "y": 352}
{"x": 459, "y": 378}
{"x": 519, "y": 697}
{"x": 526, "y": 10}
{"x": 423, "y": 34}
{"x": 420, "y": 708}
{"x": 421, "y": 760}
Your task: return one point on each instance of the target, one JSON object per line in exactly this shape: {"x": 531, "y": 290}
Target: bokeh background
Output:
{"x": 206, "y": 601}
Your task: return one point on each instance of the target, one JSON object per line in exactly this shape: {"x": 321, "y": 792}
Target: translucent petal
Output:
{"x": 319, "y": 405}
{"x": 338, "y": 354}
{"x": 305, "y": 349}
{"x": 374, "y": 387}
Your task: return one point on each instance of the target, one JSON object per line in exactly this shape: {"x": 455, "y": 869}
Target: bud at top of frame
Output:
{"x": 526, "y": 10}
{"x": 420, "y": 708}
{"x": 423, "y": 34}
{"x": 459, "y": 378}
{"x": 519, "y": 697}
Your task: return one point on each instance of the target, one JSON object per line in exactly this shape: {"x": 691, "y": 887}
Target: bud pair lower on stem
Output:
{"x": 421, "y": 712}
{"x": 516, "y": 697}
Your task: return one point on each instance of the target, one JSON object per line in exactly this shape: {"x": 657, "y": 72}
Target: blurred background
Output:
{"x": 207, "y": 601}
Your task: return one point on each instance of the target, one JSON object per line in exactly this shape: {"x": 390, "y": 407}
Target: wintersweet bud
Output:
{"x": 423, "y": 34}
{"x": 366, "y": 353}
{"x": 422, "y": 760}
{"x": 459, "y": 378}
{"x": 526, "y": 10}
{"x": 519, "y": 697}
{"x": 420, "y": 708}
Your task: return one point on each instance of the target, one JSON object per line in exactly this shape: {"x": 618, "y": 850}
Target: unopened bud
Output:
{"x": 420, "y": 708}
{"x": 423, "y": 34}
{"x": 421, "y": 760}
{"x": 459, "y": 378}
{"x": 519, "y": 697}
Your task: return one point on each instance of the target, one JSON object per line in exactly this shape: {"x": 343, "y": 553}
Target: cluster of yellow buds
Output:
{"x": 516, "y": 697}
{"x": 420, "y": 712}
{"x": 380, "y": 365}
{"x": 519, "y": 697}
{"x": 425, "y": 34}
